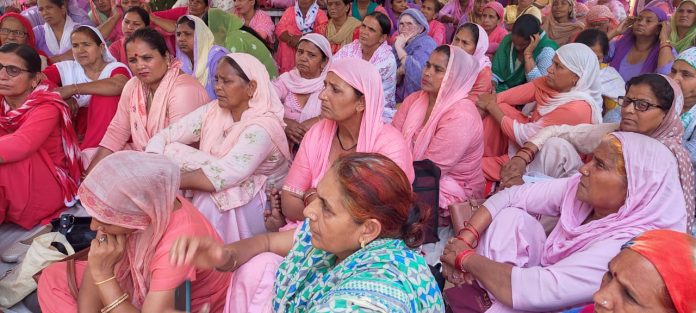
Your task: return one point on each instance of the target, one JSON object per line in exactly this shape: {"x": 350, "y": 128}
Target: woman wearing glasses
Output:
{"x": 38, "y": 147}
{"x": 16, "y": 28}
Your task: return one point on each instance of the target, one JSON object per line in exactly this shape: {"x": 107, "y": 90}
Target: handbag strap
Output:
{"x": 71, "y": 272}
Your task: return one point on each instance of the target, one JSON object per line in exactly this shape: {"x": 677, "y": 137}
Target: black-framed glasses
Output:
{"x": 12, "y": 70}
{"x": 16, "y": 33}
{"x": 639, "y": 105}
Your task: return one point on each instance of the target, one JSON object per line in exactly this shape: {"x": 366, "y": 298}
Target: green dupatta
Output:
{"x": 356, "y": 12}
{"x": 505, "y": 58}
{"x": 688, "y": 40}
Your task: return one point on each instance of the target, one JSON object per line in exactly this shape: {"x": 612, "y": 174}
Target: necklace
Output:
{"x": 341, "y": 143}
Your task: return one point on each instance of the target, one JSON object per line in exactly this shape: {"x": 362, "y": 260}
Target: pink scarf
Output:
{"x": 481, "y": 49}
{"x": 67, "y": 174}
{"x": 650, "y": 204}
{"x": 134, "y": 190}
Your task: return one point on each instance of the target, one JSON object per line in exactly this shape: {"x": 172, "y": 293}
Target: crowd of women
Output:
{"x": 271, "y": 164}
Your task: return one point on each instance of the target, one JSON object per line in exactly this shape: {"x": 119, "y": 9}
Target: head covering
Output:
{"x": 134, "y": 190}
{"x": 562, "y": 33}
{"x": 600, "y": 13}
{"x": 454, "y": 9}
{"x": 627, "y": 40}
{"x": 296, "y": 84}
{"x": 670, "y": 133}
{"x": 674, "y": 256}
{"x": 579, "y": 59}
{"x": 418, "y": 16}
{"x": 481, "y": 48}
{"x": 498, "y": 8}
{"x": 688, "y": 56}
{"x": 688, "y": 39}
{"x": 31, "y": 39}
{"x": 581, "y": 11}
{"x": 651, "y": 175}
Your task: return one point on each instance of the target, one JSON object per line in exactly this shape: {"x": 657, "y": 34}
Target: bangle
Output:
{"x": 664, "y": 45}
{"x": 470, "y": 228}
{"x": 307, "y": 196}
{"x": 114, "y": 304}
{"x": 523, "y": 159}
{"x": 460, "y": 259}
{"x": 77, "y": 90}
{"x": 105, "y": 280}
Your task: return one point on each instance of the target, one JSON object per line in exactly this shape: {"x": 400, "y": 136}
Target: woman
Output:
{"x": 682, "y": 70}
{"x": 431, "y": 122}
{"x": 372, "y": 46}
{"x": 352, "y": 122}
{"x": 353, "y": 253}
{"x": 99, "y": 11}
{"x": 94, "y": 82}
{"x": 16, "y": 28}
{"x": 362, "y": 8}
{"x": 303, "y": 18}
{"x": 38, "y": 146}
{"x": 158, "y": 95}
{"x": 473, "y": 40}
{"x": 600, "y": 17}
{"x": 570, "y": 94}
{"x": 456, "y": 12}
{"x": 561, "y": 25}
{"x": 194, "y": 41}
{"x": 229, "y": 32}
{"x": 53, "y": 37}
{"x": 617, "y": 9}
{"x": 256, "y": 19}
{"x": 683, "y": 26}
{"x": 341, "y": 25}
{"x": 413, "y": 46}
{"x": 492, "y": 22}
{"x": 299, "y": 89}
{"x": 523, "y": 7}
{"x": 645, "y": 47}
{"x": 395, "y": 8}
{"x": 524, "y": 55}
{"x": 132, "y": 198}
{"x": 630, "y": 186}
{"x": 243, "y": 149}
{"x": 133, "y": 19}
{"x": 438, "y": 31}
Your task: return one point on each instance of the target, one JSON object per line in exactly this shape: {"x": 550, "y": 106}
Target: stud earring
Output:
{"x": 362, "y": 243}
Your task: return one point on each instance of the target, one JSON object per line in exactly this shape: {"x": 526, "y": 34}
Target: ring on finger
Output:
{"x": 102, "y": 239}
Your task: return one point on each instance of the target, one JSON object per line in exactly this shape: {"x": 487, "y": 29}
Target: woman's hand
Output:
{"x": 66, "y": 92}
{"x": 401, "y": 40}
{"x": 449, "y": 271}
{"x": 625, "y": 25}
{"x": 105, "y": 251}
{"x": 200, "y": 252}
{"x": 533, "y": 43}
{"x": 486, "y": 101}
{"x": 295, "y": 130}
{"x": 274, "y": 218}
{"x": 511, "y": 173}
{"x": 665, "y": 31}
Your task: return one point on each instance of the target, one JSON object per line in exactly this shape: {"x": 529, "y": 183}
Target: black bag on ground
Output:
{"x": 426, "y": 185}
{"x": 75, "y": 229}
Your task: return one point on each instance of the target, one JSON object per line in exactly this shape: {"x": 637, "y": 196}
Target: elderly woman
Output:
{"x": 684, "y": 73}
{"x": 302, "y": 18}
{"x": 132, "y": 198}
{"x": 242, "y": 148}
{"x": 473, "y": 39}
{"x": 651, "y": 107}
{"x": 570, "y": 94}
{"x": 645, "y": 47}
{"x": 158, "y": 95}
{"x": 299, "y": 89}
{"x": 256, "y": 19}
{"x": 354, "y": 251}
{"x": 492, "y": 23}
{"x": 600, "y": 17}
{"x": 412, "y": 48}
{"x": 372, "y": 46}
{"x": 38, "y": 147}
{"x": 561, "y": 25}
{"x": 195, "y": 43}
{"x": 682, "y": 31}
{"x": 53, "y": 37}
{"x": 631, "y": 185}
{"x": 523, "y": 55}
{"x": 16, "y": 28}
{"x": 133, "y": 19}
{"x": 341, "y": 25}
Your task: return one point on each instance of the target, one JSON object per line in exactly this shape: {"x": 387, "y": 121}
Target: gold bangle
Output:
{"x": 114, "y": 304}
{"x": 106, "y": 280}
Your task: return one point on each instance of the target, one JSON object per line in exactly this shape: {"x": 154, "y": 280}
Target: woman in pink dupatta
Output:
{"x": 630, "y": 186}
{"x": 132, "y": 198}
{"x": 352, "y": 105}
{"x": 302, "y": 18}
{"x": 243, "y": 149}
{"x": 493, "y": 22}
{"x": 472, "y": 38}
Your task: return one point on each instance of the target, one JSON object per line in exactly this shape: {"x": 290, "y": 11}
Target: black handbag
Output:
{"x": 76, "y": 230}
{"x": 426, "y": 185}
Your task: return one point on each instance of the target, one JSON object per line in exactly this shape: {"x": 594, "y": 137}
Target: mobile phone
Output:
{"x": 182, "y": 297}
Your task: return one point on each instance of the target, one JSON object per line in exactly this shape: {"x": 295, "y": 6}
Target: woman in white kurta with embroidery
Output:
{"x": 243, "y": 148}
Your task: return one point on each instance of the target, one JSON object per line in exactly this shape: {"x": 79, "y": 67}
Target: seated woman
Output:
{"x": 518, "y": 8}
{"x": 601, "y": 18}
{"x": 524, "y": 55}
{"x": 456, "y": 12}
{"x": 39, "y": 152}
{"x": 616, "y": 8}
{"x": 94, "y": 82}
{"x": 133, "y": 19}
{"x": 561, "y": 25}
{"x": 352, "y": 122}
{"x": 651, "y": 107}
{"x": 243, "y": 150}
{"x": 158, "y": 95}
{"x": 302, "y": 18}
{"x": 99, "y": 11}
{"x": 682, "y": 31}
{"x": 473, "y": 40}
{"x": 412, "y": 47}
{"x": 299, "y": 89}
{"x": 16, "y": 28}
{"x": 132, "y": 198}
{"x": 631, "y": 185}
{"x": 362, "y": 8}
{"x": 645, "y": 47}
{"x": 353, "y": 253}
{"x": 372, "y": 46}
{"x": 53, "y": 37}
{"x": 342, "y": 25}
{"x": 437, "y": 31}
{"x": 229, "y": 32}
{"x": 195, "y": 43}
{"x": 256, "y": 19}
{"x": 682, "y": 70}
{"x": 570, "y": 94}
{"x": 492, "y": 23}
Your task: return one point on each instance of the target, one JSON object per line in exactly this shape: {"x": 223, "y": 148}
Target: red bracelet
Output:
{"x": 470, "y": 228}
{"x": 466, "y": 242}
{"x": 460, "y": 258}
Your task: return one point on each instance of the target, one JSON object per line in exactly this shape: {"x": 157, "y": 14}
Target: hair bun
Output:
{"x": 413, "y": 231}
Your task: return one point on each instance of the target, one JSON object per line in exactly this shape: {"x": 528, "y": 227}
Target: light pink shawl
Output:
{"x": 481, "y": 49}
{"x": 375, "y": 136}
{"x": 134, "y": 190}
{"x": 294, "y": 83}
{"x": 651, "y": 202}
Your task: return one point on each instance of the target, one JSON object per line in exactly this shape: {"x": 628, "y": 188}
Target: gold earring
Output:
{"x": 362, "y": 243}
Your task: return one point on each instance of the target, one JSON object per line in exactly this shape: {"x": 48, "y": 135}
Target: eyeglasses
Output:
{"x": 639, "y": 105}
{"x": 12, "y": 70}
{"x": 16, "y": 33}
